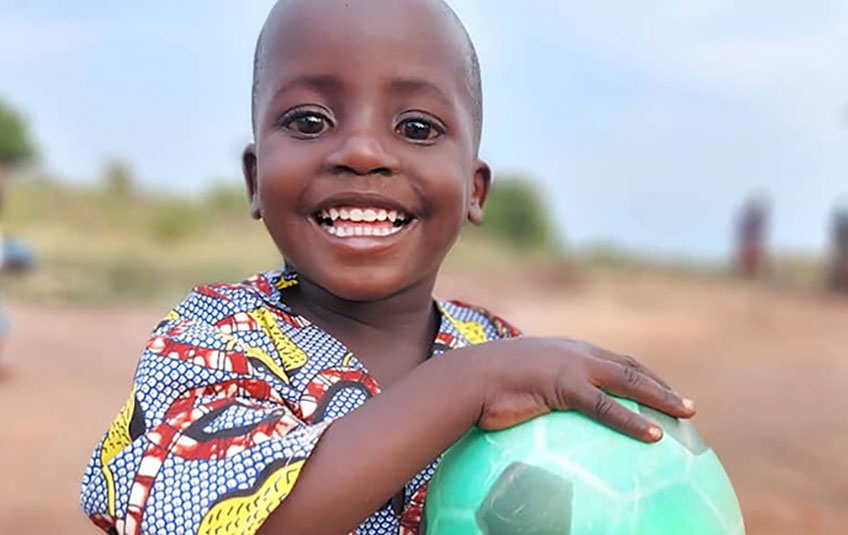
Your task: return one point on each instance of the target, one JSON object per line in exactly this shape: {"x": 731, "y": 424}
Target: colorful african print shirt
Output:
{"x": 230, "y": 397}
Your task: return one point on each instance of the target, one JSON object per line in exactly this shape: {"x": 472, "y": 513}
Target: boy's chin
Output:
{"x": 363, "y": 285}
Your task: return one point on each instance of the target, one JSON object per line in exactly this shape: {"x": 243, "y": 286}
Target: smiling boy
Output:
{"x": 318, "y": 398}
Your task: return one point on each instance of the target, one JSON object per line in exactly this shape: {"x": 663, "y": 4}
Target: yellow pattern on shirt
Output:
{"x": 470, "y": 330}
{"x": 243, "y": 515}
{"x": 292, "y": 356}
{"x": 117, "y": 438}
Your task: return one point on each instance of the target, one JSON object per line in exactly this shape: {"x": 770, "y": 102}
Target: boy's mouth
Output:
{"x": 354, "y": 221}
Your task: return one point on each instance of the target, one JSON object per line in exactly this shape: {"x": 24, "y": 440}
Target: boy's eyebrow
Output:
{"x": 329, "y": 83}
{"x": 320, "y": 82}
{"x": 419, "y": 85}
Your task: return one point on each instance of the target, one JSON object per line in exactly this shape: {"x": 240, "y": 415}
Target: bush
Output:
{"x": 227, "y": 198}
{"x": 118, "y": 179}
{"x": 516, "y": 215}
{"x": 16, "y": 148}
{"x": 174, "y": 221}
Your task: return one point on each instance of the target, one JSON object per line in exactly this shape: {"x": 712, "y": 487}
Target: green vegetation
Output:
{"x": 16, "y": 147}
{"x": 517, "y": 215}
{"x": 118, "y": 180}
{"x": 108, "y": 245}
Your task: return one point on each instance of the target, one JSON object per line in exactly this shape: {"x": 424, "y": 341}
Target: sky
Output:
{"x": 644, "y": 123}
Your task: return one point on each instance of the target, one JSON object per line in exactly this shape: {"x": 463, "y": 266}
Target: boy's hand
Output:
{"x": 527, "y": 377}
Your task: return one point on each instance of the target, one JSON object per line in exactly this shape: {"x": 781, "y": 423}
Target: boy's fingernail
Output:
{"x": 655, "y": 433}
{"x": 689, "y": 404}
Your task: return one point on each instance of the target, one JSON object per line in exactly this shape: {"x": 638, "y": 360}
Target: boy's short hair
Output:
{"x": 475, "y": 84}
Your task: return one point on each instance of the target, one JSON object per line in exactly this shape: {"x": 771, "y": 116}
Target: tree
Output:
{"x": 517, "y": 215}
{"x": 118, "y": 178}
{"x": 16, "y": 147}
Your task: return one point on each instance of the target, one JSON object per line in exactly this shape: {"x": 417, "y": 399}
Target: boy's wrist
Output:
{"x": 475, "y": 376}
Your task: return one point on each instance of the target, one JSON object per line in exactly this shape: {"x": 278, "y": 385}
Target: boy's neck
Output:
{"x": 389, "y": 336}
{"x": 409, "y": 309}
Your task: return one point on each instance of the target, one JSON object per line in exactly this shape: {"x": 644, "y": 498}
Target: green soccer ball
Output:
{"x": 564, "y": 474}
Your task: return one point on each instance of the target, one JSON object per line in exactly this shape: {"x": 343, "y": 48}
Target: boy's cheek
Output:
{"x": 279, "y": 185}
{"x": 281, "y": 154}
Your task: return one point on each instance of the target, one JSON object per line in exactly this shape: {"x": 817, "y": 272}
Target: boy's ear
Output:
{"x": 248, "y": 168}
{"x": 482, "y": 181}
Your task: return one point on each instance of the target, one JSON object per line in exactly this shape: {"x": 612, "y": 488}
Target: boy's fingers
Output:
{"x": 628, "y": 382}
{"x": 598, "y": 406}
{"x": 627, "y": 360}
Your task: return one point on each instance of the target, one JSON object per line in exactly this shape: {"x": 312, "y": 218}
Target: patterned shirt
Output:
{"x": 232, "y": 392}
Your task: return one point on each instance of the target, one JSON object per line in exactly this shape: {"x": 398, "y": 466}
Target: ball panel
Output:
{"x": 522, "y": 441}
{"x": 527, "y": 500}
{"x": 708, "y": 477}
{"x": 452, "y": 522}
{"x": 676, "y": 509}
{"x": 600, "y": 466}
{"x": 660, "y": 464}
{"x": 473, "y": 460}
{"x": 622, "y": 466}
{"x": 622, "y": 520}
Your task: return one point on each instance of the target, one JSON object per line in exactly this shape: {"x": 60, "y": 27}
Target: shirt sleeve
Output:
{"x": 209, "y": 440}
{"x": 473, "y": 325}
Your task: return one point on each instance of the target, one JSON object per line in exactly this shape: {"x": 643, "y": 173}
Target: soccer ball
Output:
{"x": 564, "y": 474}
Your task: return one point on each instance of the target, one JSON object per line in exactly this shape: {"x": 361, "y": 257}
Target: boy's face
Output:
{"x": 364, "y": 112}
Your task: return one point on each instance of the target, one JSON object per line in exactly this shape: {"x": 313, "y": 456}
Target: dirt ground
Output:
{"x": 768, "y": 369}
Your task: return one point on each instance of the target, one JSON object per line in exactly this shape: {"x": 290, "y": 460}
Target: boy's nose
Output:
{"x": 362, "y": 154}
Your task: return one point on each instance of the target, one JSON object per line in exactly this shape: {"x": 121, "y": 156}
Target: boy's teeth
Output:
{"x": 371, "y": 221}
{"x": 360, "y": 230}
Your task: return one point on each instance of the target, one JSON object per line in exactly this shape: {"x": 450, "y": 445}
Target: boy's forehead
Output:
{"x": 417, "y": 38}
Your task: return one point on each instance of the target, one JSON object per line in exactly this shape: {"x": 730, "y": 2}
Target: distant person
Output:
{"x": 15, "y": 258}
{"x": 317, "y": 398}
{"x": 751, "y": 237}
{"x": 839, "y": 233}
{"x": 15, "y": 255}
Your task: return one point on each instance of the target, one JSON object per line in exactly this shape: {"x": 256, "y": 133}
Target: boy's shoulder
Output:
{"x": 210, "y": 303}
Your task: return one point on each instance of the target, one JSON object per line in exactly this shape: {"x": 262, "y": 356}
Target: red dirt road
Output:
{"x": 768, "y": 370}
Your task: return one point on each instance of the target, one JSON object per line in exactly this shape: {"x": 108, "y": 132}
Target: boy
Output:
{"x": 256, "y": 406}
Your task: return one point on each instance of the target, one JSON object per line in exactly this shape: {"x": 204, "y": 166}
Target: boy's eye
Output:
{"x": 308, "y": 124}
{"x": 418, "y": 130}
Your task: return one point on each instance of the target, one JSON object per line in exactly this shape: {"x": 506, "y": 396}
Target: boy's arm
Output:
{"x": 369, "y": 454}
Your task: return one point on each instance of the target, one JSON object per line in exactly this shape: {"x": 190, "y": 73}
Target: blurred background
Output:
{"x": 671, "y": 183}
